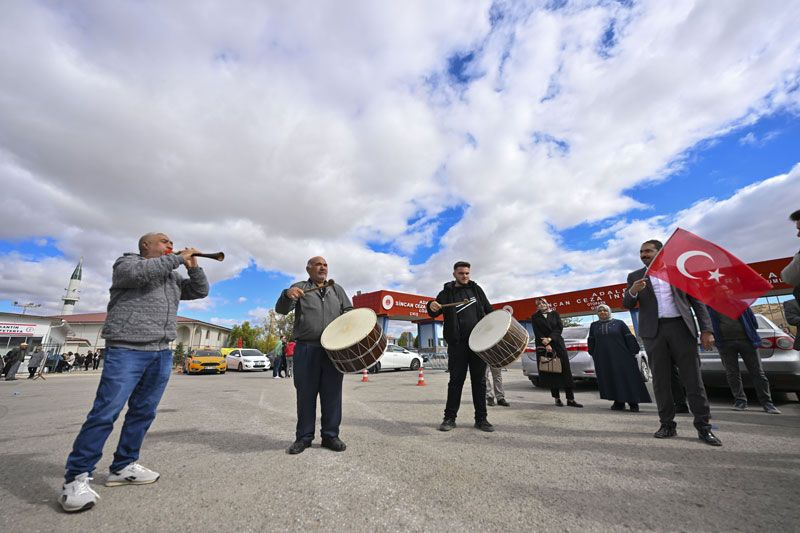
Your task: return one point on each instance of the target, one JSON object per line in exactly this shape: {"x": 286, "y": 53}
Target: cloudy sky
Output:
{"x": 543, "y": 141}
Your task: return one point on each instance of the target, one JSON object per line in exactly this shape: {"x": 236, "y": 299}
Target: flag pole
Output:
{"x": 647, "y": 270}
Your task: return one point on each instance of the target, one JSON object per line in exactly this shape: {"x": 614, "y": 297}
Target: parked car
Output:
{"x": 396, "y": 357}
{"x": 204, "y": 362}
{"x": 247, "y": 359}
{"x": 780, "y": 362}
{"x": 576, "y": 339}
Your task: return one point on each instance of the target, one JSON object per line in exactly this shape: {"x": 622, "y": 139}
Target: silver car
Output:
{"x": 780, "y": 362}
{"x": 576, "y": 339}
{"x": 580, "y": 362}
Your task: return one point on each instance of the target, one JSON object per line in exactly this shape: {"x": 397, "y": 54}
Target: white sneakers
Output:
{"x": 133, "y": 474}
{"x": 78, "y": 495}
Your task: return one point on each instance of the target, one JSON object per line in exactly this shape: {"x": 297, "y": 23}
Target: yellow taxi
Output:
{"x": 204, "y": 362}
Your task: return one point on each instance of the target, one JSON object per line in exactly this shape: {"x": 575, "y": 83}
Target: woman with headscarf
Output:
{"x": 547, "y": 328}
{"x": 614, "y": 348}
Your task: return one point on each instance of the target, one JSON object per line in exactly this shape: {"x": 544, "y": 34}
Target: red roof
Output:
{"x": 99, "y": 318}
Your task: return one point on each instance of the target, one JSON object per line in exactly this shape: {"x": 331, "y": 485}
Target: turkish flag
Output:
{"x": 709, "y": 273}
{"x": 239, "y": 342}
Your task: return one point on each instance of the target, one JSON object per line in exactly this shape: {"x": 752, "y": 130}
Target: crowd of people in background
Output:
{"x": 54, "y": 362}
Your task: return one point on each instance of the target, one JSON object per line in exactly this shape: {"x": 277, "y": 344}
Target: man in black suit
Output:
{"x": 669, "y": 332}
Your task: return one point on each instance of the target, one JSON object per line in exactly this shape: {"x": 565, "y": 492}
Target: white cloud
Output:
{"x": 227, "y": 322}
{"x": 258, "y": 313}
{"x": 203, "y": 304}
{"x": 242, "y": 299}
{"x": 273, "y": 135}
{"x": 752, "y": 140}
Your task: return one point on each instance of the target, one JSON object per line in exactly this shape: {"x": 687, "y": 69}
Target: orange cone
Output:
{"x": 364, "y": 376}
{"x": 421, "y": 378}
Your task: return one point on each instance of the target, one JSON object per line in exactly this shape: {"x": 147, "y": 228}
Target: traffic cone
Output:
{"x": 364, "y": 376}
{"x": 421, "y": 378}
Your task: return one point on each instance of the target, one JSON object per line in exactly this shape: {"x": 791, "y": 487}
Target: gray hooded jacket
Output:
{"x": 144, "y": 301}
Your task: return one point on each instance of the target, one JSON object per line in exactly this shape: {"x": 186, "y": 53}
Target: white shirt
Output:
{"x": 666, "y": 303}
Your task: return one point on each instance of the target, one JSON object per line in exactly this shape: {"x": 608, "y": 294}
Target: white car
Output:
{"x": 247, "y": 359}
{"x": 396, "y": 357}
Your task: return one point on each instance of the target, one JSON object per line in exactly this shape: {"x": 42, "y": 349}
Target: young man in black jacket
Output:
{"x": 459, "y": 320}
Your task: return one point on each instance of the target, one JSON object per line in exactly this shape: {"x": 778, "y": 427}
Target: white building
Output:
{"x": 81, "y": 332}
{"x": 49, "y": 332}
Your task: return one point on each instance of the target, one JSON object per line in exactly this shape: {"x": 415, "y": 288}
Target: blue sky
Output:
{"x": 542, "y": 143}
{"x": 714, "y": 168}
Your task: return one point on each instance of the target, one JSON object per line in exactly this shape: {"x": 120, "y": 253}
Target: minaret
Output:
{"x": 71, "y": 297}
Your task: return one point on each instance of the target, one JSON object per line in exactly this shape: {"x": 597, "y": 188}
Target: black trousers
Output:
{"x": 569, "y": 393}
{"x": 730, "y": 353}
{"x": 461, "y": 359}
{"x": 675, "y": 345}
{"x": 678, "y": 392}
{"x": 315, "y": 375}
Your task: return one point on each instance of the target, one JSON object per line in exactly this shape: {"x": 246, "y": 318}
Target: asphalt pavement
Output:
{"x": 219, "y": 443}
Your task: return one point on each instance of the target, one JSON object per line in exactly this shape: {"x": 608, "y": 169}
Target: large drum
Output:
{"x": 498, "y": 339}
{"x": 354, "y": 341}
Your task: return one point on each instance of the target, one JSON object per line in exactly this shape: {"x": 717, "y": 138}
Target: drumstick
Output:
{"x": 462, "y": 302}
{"x": 328, "y": 283}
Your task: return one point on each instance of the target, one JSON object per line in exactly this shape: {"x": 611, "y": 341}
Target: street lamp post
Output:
{"x": 26, "y": 306}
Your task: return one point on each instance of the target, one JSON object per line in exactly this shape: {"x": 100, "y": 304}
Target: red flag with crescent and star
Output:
{"x": 708, "y": 272}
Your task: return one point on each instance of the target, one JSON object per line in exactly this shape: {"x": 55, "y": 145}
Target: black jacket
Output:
{"x": 648, "y": 308}
{"x": 548, "y": 326}
{"x": 792, "y": 311}
{"x": 447, "y": 295}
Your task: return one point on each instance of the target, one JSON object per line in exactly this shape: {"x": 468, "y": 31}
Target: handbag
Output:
{"x": 549, "y": 364}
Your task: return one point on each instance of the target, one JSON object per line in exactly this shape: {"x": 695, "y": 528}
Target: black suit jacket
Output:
{"x": 792, "y": 311}
{"x": 648, "y": 307}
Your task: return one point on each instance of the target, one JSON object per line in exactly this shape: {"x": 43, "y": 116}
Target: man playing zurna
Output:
{"x": 140, "y": 325}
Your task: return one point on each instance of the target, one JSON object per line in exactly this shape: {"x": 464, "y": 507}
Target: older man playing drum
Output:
{"x": 316, "y": 303}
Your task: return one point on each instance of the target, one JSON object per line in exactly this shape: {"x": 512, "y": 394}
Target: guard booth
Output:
{"x": 392, "y": 305}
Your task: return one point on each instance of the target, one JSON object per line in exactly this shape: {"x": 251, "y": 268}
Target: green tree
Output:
{"x": 177, "y": 355}
{"x": 249, "y": 335}
{"x": 276, "y": 326}
{"x": 406, "y": 339}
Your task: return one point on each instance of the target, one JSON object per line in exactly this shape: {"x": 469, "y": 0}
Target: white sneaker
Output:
{"x": 78, "y": 495}
{"x": 133, "y": 474}
{"x": 276, "y": 377}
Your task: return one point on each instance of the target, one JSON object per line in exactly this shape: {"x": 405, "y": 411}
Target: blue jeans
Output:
{"x": 277, "y": 364}
{"x": 132, "y": 376}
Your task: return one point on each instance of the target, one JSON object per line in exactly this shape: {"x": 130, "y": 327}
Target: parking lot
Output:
{"x": 219, "y": 443}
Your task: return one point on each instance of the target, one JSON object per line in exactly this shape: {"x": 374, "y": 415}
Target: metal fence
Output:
{"x": 434, "y": 358}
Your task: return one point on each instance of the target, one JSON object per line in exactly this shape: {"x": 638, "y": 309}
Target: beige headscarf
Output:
{"x": 607, "y": 308}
